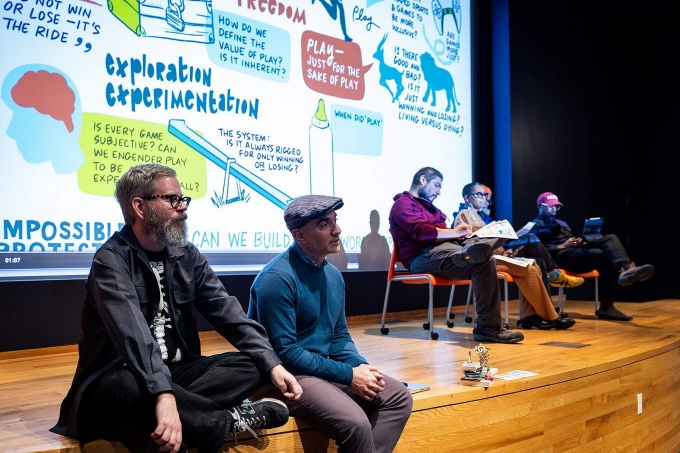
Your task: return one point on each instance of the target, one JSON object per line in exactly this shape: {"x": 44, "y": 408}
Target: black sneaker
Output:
{"x": 475, "y": 253}
{"x": 260, "y": 414}
{"x": 497, "y": 335}
{"x": 612, "y": 314}
{"x": 534, "y": 321}
{"x": 636, "y": 274}
{"x": 563, "y": 323}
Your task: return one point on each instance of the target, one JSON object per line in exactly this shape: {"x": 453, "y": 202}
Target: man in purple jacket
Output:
{"x": 425, "y": 245}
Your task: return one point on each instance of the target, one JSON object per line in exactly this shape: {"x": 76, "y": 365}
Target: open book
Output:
{"x": 496, "y": 229}
{"x": 524, "y": 262}
{"x": 525, "y": 229}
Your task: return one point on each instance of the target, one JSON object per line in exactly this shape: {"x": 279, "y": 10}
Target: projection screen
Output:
{"x": 252, "y": 102}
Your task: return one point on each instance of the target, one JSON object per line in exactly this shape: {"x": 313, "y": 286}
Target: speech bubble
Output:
{"x": 112, "y": 145}
{"x": 356, "y": 131}
{"x": 250, "y": 47}
{"x": 332, "y": 66}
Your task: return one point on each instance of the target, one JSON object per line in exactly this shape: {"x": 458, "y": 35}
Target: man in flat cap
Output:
{"x": 300, "y": 300}
{"x": 606, "y": 254}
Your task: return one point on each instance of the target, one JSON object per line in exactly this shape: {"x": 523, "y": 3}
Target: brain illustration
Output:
{"x": 48, "y": 93}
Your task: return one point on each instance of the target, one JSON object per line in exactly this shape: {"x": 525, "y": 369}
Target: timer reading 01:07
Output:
{"x": 10, "y": 260}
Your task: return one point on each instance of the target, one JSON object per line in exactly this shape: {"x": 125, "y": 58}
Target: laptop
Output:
{"x": 592, "y": 229}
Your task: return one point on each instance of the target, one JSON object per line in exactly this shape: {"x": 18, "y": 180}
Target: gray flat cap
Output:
{"x": 308, "y": 207}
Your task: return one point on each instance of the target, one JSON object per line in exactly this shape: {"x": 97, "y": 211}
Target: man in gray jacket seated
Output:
{"x": 141, "y": 378}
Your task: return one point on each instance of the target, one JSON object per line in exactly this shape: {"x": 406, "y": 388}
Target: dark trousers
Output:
{"x": 118, "y": 406}
{"x": 607, "y": 255}
{"x": 487, "y": 294}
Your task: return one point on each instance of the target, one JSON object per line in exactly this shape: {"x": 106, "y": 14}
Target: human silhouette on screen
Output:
{"x": 375, "y": 252}
{"x": 47, "y": 119}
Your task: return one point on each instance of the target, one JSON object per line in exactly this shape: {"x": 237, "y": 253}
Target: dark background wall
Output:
{"x": 595, "y": 114}
{"x": 595, "y": 105}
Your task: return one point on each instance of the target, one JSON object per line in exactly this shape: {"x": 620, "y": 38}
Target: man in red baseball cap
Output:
{"x": 548, "y": 199}
{"x": 571, "y": 253}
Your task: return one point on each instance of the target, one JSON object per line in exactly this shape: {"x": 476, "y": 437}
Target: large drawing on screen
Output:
{"x": 252, "y": 102}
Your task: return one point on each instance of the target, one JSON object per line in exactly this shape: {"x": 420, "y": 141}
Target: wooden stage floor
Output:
{"x": 584, "y": 397}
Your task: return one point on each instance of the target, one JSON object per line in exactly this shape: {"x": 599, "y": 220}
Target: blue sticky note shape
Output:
{"x": 356, "y": 131}
{"x": 250, "y": 47}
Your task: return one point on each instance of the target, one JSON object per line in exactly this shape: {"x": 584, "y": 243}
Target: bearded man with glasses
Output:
{"x": 141, "y": 378}
{"x": 537, "y": 305}
{"x": 475, "y": 212}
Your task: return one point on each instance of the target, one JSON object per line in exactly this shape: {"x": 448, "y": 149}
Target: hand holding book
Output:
{"x": 496, "y": 229}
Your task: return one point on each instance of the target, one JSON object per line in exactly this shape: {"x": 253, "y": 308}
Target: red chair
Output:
{"x": 560, "y": 292}
{"x": 406, "y": 277}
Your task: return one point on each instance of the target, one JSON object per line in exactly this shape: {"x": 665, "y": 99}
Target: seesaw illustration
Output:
{"x": 181, "y": 20}
{"x": 179, "y": 129}
{"x": 438, "y": 14}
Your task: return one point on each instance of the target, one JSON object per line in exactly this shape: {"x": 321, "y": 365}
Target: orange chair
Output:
{"x": 406, "y": 277}
{"x": 560, "y": 292}
{"x": 505, "y": 277}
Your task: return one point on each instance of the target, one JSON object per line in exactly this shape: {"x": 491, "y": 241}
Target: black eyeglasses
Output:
{"x": 556, "y": 206}
{"x": 480, "y": 195}
{"x": 174, "y": 200}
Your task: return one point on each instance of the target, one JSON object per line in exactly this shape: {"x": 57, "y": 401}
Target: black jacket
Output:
{"x": 551, "y": 231}
{"x": 122, "y": 292}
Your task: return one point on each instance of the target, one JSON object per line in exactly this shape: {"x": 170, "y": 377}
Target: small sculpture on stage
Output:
{"x": 478, "y": 374}
{"x": 483, "y": 355}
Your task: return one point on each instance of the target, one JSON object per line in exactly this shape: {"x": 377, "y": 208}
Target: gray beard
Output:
{"x": 169, "y": 232}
